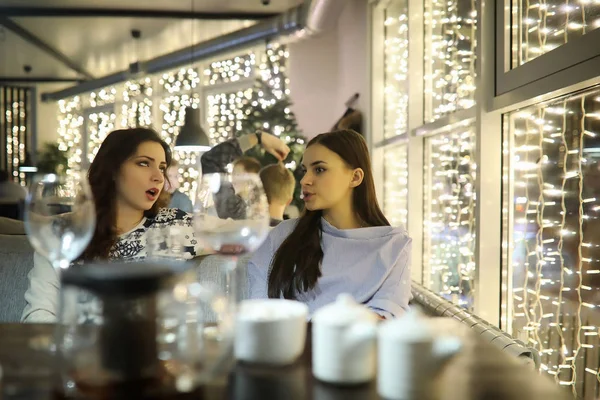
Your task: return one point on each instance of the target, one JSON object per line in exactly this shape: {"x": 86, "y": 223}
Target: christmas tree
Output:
{"x": 269, "y": 110}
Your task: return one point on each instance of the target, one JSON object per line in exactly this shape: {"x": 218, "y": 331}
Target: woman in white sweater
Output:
{"x": 342, "y": 243}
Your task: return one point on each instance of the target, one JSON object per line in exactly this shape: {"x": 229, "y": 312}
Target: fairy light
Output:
{"x": 102, "y": 97}
{"x": 541, "y": 26}
{"x": 70, "y": 123}
{"x": 136, "y": 110}
{"x": 225, "y": 109}
{"x": 396, "y": 69}
{"x": 179, "y": 85}
{"x": 14, "y": 111}
{"x": 99, "y": 125}
{"x": 449, "y": 225}
{"x": 450, "y": 38}
{"x": 225, "y": 114}
{"x": 230, "y": 70}
{"x": 555, "y": 244}
{"x": 396, "y": 185}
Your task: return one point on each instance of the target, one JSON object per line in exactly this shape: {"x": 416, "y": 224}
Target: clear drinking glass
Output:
{"x": 231, "y": 218}
{"x": 60, "y": 217}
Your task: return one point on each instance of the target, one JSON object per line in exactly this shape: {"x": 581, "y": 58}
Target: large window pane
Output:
{"x": 395, "y": 203}
{"x": 450, "y": 37}
{"x": 555, "y": 236}
{"x": 449, "y": 226}
{"x": 540, "y": 26}
{"x": 396, "y": 68}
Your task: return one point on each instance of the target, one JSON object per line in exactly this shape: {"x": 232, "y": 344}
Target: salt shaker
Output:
{"x": 409, "y": 357}
{"x": 343, "y": 342}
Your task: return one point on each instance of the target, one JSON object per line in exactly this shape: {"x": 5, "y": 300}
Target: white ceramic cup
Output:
{"x": 270, "y": 331}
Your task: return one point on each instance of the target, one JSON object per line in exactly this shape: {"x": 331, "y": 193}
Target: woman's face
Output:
{"x": 327, "y": 180}
{"x": 142, "y": 177}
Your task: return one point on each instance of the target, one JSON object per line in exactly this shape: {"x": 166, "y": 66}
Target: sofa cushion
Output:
{"x": 16, "y": 260}
{"x": 9, "y": 226}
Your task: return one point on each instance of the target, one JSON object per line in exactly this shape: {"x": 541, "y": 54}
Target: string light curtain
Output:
{"x": 70, "y": 129}
{"x": 543, "y": 25}
{"x": 450, "y": 39}
{"x": 180, "y": 90}
{"x": 15, "y": 129}
{"x": 99, "y": 124}
{"x": 395, "y": 202}
{"x": 449, "y": 225}
{"x": 136, "y": 110}
{"x": 396, "y": 68}
{"x": 554, "y": 152}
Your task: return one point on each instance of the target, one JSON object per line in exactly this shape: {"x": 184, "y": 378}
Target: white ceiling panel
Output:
{"x": 16, "y": 52}
{"x": 104, "y": 45}
{"x": 213, "y": 6}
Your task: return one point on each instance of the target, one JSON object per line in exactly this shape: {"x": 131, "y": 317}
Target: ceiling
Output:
{"x": 95, "y": 35}
{"x": 185, "y": 6}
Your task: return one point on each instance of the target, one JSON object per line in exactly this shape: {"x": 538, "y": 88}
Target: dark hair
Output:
{"x": 296, "y": 265}
{"x": 250, "y": 164}
{"x": 3, "y": 175}
{"x": 118, "y": 146}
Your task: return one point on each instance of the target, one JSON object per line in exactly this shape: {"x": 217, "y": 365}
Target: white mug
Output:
{"x": 344, "y": 334}
{"x": 410, "y": 356}
{"x": 270, "y": 331}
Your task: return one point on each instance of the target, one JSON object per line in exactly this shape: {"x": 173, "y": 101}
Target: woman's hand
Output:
{"x": 275, "y": 146}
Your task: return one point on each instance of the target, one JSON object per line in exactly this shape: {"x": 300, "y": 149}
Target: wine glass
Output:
{"x": 231, "y": 218}
{"x": 60, "y": 217}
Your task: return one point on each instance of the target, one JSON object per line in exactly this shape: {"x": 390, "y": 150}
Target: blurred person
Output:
{"x": 279, "y": 185}
{"x": 179, "y": 199}
{"x": 246, "y": 165}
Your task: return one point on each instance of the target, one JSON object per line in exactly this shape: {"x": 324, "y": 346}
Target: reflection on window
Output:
{"x": 395, "y": 202}
{"x": 543, "y": 25}
{"x": 449, "y": 226}
{"x": 396, "y": 68}
{"x": 556, "y": 236}
{"x": 450, "y": 37}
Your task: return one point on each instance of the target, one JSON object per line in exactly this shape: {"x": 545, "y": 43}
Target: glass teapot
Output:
{"x": 138, "y": 330}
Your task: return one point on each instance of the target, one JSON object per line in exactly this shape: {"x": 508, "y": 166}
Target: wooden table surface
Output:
{"x": 480, "y": 371}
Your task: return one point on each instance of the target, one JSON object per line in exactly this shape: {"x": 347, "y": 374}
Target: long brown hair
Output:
{"x": 118, "y": 146}
{"x": 296, "y": 265}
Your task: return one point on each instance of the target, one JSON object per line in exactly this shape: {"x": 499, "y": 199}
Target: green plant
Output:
{"x": 51, "y": 160}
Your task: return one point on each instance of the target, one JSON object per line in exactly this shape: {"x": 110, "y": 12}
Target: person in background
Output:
{"x": 219, "y": 157}
{"x": 9, "y": 189}
{"x": 127, "y": 179}
{"x": 246, "y": 165}
{"x": 279, "y": 185}
{"x": 342, "y": 243}
{"x": 178, "y": 199}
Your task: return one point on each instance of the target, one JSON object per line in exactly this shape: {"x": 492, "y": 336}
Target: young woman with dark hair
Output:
{"x": 342, "y": 243}
{"x": 127, "y": 179}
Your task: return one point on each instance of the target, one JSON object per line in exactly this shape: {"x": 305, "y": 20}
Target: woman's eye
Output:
{"x": 143, "y": 163}
{"x": 319, "y": 170}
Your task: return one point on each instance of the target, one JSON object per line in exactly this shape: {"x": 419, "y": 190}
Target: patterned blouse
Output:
{"x": 168, "y": 234}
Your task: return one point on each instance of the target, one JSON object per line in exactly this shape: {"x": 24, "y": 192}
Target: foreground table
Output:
{"x": 480, "y": 371}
